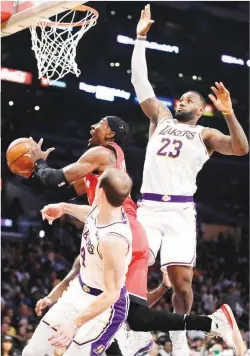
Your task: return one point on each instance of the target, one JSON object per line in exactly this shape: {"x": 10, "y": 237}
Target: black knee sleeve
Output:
{"x": 141, "y": 318}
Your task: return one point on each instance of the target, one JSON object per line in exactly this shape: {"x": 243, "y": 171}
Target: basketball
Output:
{"x": 18, "y": 157}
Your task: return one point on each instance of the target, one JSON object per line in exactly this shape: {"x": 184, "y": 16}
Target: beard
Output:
{"x": 184, "y": 116}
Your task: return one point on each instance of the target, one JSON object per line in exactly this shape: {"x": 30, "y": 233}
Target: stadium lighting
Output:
{"x": 117, "y": 64}
{"x": 129, "y": 17}
{"x": 41, "y": 233}
{"x": 180, "y": 75}
{"x": 194, "y": 77}
{"x": 129, "y": 71}
{"x": 199, "y": 78}
{"x": 37, "y": 108}
{"x": 112, "y": 64}
{"x": 232, "y": 60}
{"x": 112, "y": 12}
{"x": 104, "y": 92}
{"x": 152, "y": 45}
{"x": 11, "y": 103}
{"x": 248, "y": 63}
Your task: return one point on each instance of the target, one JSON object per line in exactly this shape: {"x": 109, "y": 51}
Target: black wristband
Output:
{"x": 40, "y": 163}
{"x": 49, "y": 176}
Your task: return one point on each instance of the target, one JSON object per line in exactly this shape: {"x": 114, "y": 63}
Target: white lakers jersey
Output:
{"x": 91, "y": 260}
{"x": 175, "y": 154}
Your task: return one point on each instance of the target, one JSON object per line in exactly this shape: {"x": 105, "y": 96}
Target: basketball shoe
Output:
{"x": 224, "y": 325}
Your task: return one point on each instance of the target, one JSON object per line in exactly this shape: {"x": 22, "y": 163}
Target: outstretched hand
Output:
{"x": 145, "y": 22}
{"x": 52, "y": 212}
{"x": 221, "y": 100}
{"x": 36, "y": 150}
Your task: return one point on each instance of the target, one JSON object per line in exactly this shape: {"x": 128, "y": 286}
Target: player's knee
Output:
{"x": 182, "y": 286}
{"x": 181, "y": 278}
{"x": 139, "y": 319}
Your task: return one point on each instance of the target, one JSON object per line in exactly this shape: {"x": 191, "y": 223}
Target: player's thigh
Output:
{"x": 94, "y": 337}
{"x": 38, "y": 344}
{"x": 69, "y": 305}
{"x": 179, "y": 240}
{"x": 150, "y": 222}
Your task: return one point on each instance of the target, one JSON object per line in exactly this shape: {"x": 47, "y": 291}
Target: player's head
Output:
{"x": 113, "y": 187}
{"x": 110, "y": 128}
{"x": 190, "y": 107}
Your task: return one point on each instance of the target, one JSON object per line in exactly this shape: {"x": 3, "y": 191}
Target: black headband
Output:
{"x": 118, "y": 127}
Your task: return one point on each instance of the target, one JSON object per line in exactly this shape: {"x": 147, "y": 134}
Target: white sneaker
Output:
{"x": 225, "y": 326}
{"x": 179, "y": 343}
{"x": 139, "y": 343}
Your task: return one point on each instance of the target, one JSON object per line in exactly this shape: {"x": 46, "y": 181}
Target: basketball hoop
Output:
{"x": 55, "y": 42}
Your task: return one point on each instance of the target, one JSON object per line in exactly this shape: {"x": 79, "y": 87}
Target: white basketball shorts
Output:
{"x": 94, "y": 337}
{"x": 170, "y": 228}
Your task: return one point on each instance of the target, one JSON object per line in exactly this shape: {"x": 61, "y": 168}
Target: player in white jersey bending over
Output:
{"x": 176, "y": 152}
{"x": 91, "y": 311}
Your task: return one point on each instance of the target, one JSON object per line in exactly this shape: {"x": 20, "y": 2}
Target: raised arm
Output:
{"x": 152, "y": 107}
{"x": 234, "y": 144}
{"x": 96, "y": 158}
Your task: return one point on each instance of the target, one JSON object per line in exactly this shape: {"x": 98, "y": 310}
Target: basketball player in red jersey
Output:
{"x": 105, "y": 153}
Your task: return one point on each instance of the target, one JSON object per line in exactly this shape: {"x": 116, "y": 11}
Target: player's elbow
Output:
{"x": 242, "y": 151}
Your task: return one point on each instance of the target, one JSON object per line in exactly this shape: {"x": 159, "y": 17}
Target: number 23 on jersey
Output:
{"x": 167, "y": 151}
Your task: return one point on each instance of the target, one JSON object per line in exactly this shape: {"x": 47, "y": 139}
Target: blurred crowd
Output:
{"x": 35, "y": 255}
{"x": 31, "y": 267}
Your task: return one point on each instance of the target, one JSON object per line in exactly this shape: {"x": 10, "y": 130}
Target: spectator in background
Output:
{"x": 233, "y": 299}
{"x": 7, "y": 321}
{"x": 167, "y": 349}
{"x": 7, "y": 348}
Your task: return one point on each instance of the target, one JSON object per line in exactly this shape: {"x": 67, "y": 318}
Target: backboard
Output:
{"x": 19, "y": 15}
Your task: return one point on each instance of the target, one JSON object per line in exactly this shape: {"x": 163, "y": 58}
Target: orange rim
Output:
{"x": 82, "y": 8}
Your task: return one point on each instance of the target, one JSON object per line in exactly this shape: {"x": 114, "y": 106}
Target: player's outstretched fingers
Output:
{"x": 50, "y": 150}
{"x": 40, "y": 143}
{"x": 212, "y": 98}
{"x": 216, "y": 91}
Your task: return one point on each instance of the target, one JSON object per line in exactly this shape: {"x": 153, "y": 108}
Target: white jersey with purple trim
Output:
{"x": 91, "y": 261}
{"x": 175, "y": 154}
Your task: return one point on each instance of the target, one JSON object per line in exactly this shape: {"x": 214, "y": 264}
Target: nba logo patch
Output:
{"x": 99, "y": 350}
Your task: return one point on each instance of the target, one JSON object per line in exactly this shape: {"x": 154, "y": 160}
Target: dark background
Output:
{"x": 203, "y": 31}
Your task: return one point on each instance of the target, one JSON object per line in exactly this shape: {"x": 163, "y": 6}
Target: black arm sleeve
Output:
{"x": 49, "y": 176}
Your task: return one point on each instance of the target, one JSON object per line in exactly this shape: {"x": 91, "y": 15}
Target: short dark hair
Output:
{"x": 117, "y": 186}
{"x": 120, "y": 128}
{"x": 202, "y": 99}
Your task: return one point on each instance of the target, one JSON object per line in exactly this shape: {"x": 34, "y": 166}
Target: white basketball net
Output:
{"x": 55, "y": 47}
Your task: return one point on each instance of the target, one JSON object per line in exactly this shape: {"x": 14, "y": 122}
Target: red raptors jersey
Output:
{"x": 91, "y": 180}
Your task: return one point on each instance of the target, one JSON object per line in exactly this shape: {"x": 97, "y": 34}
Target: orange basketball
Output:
{"x": 19, "y": 159}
